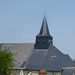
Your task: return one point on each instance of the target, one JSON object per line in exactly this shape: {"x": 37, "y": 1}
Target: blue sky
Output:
{"x": 20, "y": 22}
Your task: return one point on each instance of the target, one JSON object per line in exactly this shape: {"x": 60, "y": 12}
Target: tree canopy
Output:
{"x": 6, "y": 61}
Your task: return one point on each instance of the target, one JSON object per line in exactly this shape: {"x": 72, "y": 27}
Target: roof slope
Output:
{"x": 21, "y": 52}
{"x": 49, "y": 59}
{"x": 37, "y": 59}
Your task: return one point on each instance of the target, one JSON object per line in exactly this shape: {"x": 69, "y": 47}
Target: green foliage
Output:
{"x": 56, "y": 74}
{"x": 6, "y": 61}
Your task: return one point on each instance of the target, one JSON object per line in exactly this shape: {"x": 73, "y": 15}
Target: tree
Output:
{"x": 6, "y": 61}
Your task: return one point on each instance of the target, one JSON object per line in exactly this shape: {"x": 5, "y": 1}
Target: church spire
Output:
{"x": 43, "y": 39}
{"x": 44, "y": 28}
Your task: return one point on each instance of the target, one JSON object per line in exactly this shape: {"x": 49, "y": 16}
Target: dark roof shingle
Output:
{"x": 49, "y": 59}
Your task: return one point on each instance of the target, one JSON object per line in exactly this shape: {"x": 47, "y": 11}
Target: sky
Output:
{"x": 21, "y": 20}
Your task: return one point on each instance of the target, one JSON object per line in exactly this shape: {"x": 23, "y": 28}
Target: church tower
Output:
{"x": 43, "y": 39}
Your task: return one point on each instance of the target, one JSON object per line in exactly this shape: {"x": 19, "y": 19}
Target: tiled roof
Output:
{"x": 49, "y": 59}
{"x": 35, "y": 59}
{"x": 21, "y": 52}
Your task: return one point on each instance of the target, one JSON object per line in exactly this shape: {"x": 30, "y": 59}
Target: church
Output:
{"x": 43, "y": 55}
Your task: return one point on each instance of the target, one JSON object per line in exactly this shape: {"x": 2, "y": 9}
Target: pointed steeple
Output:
{"x": 44, "y": 28}
{"x": 43, "y": 39}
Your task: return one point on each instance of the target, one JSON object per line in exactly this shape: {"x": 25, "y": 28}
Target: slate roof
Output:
{"x": 21, "y": 52}
{"x": 44, "y": 28}
{"x": 27, "y": 57}
{"x": 69, "y": 72}
{"x": 49, "y": 59}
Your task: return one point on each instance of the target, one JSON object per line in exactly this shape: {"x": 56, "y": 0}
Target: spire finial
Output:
{"x": 44, "y": 11}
